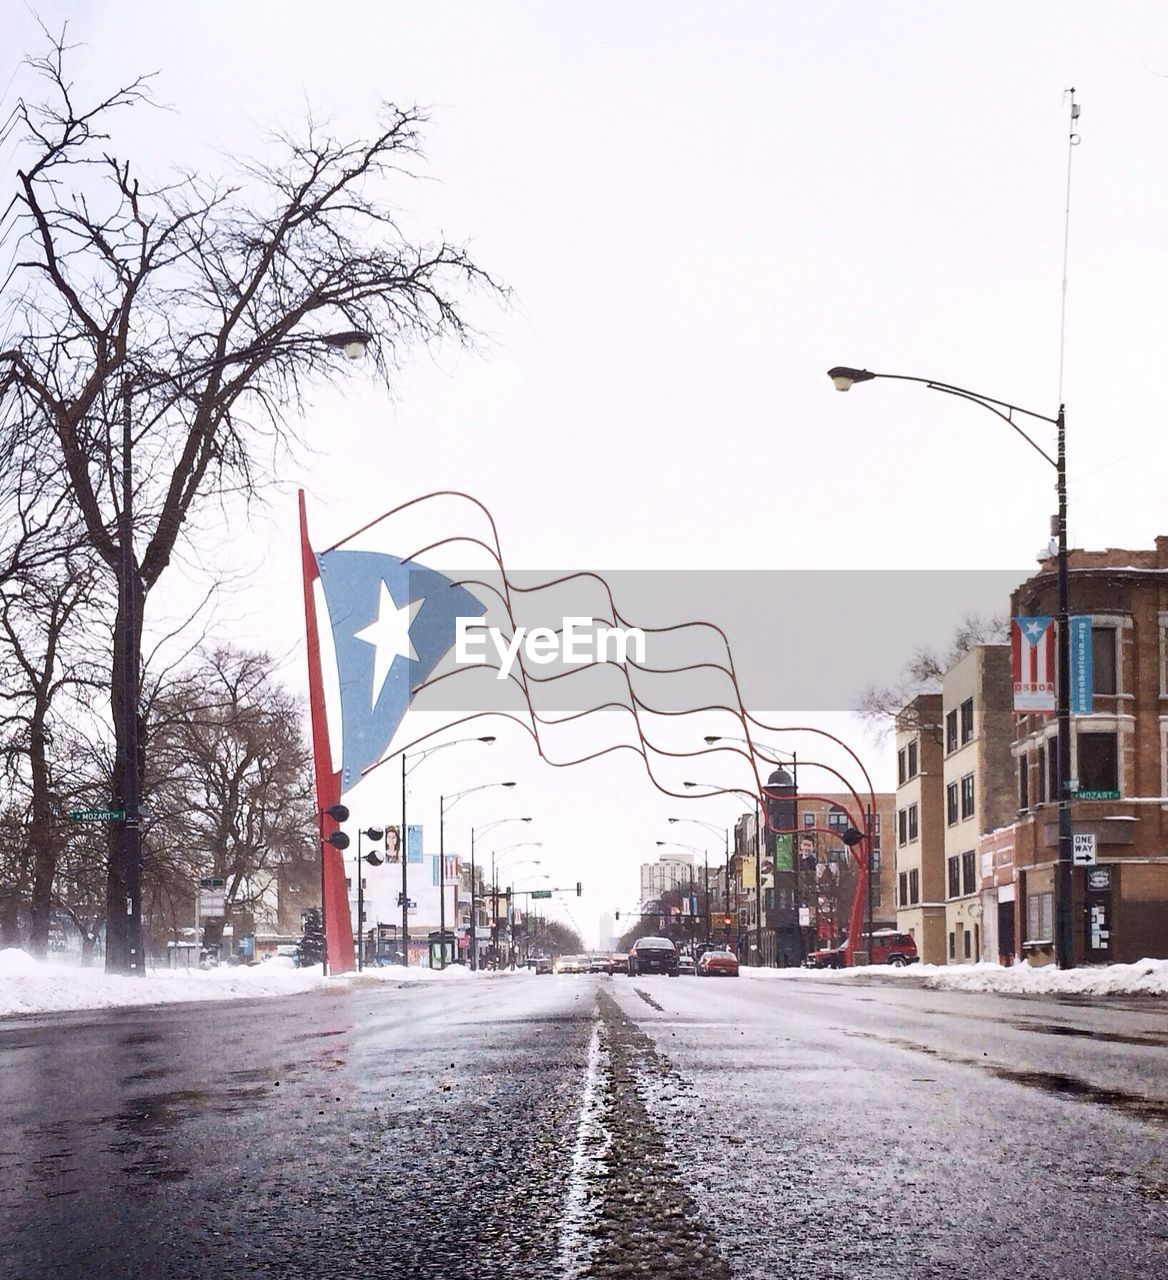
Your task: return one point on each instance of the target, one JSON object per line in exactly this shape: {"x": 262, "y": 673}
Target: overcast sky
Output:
{"x": 699, "y": 209}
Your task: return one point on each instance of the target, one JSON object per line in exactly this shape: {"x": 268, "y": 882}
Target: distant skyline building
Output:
{"x": 670, "y": 871}
{"x": 606, "y": 931}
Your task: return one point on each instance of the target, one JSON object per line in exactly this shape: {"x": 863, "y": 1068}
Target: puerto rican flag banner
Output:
{"x": 1032, "y": 648}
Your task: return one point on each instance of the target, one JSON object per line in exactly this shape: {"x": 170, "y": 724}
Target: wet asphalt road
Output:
{"x": 560, "y": 1127}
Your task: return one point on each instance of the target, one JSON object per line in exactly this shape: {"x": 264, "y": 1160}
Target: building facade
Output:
{"x": 977, "y": 771}
{"x": 920, "y": 826}
{"x": 1119, "y": 767}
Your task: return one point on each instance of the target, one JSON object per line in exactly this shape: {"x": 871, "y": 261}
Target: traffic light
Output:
{"x": 617, "y": 915}
{"x": 579, "y": 889}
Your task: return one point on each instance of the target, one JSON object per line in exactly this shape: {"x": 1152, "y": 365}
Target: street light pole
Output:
{"x": 844, "y": 377}
{"x": 442, "y": 807}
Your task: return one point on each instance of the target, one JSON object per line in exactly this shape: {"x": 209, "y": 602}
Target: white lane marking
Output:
{"x": 577, "y": 1246}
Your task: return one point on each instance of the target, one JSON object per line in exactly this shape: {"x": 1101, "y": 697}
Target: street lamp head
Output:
{"x": 691, "y": 784}
{"x": 508, "y": 784}
{"x": 373, "y": 833}
{"x": 489, "y": 738}
{"x": 711, "y": 738}
{"x": 672, "y": 819}
{"x": 374, "y": 860}
{"x": 844, "y": 378}
{"x": 353, "y": 342}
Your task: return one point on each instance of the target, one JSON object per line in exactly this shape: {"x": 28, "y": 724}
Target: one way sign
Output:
{"x": 1083, "y": 851}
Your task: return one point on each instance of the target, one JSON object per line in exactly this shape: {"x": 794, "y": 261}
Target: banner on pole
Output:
{"x": 1032, "y": 652}
{"x": 1082, "y": 667}
{"x": 413, "y": 843}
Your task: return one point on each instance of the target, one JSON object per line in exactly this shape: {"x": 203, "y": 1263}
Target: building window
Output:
{"x": 1098, "y": 762}
{"x": 967, "y": 721}
{"x": 902, "y": 826}
{"x": 901, "y": 768}
{"x": 808, "y": 819}
{"x": 955, "y": 876}
{"x": 951, "y": 804}
{"x": 874, "y": 859}
{"x": 1103, "y": 664}
{"x": 1040, "y": 917}
{"x": 1041, "y": 788}
{"x": 1023, "y": 782}
{"x": 876, "y": 824}
{"x": 967, "y": 797}
{"x": 912, "y": 759}
{"x": 903, "y": 885}
{"x": 914, "y": 887}
{"x": 1052, "y": 767}
{"x": 952, "y": 946}
{"x": 968, "y": 872}
{"x": 968, "y": 948}
{"x": 951, "y": 731}
{"x": 837, "y": 818}
{"x": 913, "y": 824}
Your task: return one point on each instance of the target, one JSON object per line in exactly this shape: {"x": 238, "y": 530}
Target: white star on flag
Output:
{"x": 390, "y": 637}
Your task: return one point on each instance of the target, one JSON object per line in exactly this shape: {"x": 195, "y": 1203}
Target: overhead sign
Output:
{"x": 541, "y": 893}
{"x": 1032, "y": 653}
{"x": 212, "y": 882}
{"x": 1083, "y": 848}
{"x": 97, "y": 815}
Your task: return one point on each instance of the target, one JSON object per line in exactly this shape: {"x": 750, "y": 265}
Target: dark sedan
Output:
{"x": 653, "y": 955}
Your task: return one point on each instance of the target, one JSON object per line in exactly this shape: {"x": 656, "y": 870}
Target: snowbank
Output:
{"x": 31, "y": 986}
{"x": 1145, "y": 977}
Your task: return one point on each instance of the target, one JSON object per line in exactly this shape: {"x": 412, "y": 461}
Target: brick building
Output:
{"x": 1119, "y": 766}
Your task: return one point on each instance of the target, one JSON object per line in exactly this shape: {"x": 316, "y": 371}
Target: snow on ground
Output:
{"x": 31, "y": 986}
{"x": 1145, "y": 977}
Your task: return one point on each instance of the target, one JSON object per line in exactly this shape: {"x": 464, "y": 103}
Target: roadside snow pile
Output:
{"x": 30, "y": 986}
{"x": 1145, "y": 977}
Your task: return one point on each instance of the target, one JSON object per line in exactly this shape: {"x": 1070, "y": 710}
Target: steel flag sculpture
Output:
{"x": 391, "y": 622}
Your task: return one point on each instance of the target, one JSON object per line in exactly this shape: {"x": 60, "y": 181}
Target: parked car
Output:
{"x": 653, "y": 955}
{"x": 543, "y": 964}
{"x": 686, "y": 963}
{"x": 715, "y": 963}
{"x": 890, "y": 946}
{"x": 885, "y": 946}
{"x": 825, "y": 958}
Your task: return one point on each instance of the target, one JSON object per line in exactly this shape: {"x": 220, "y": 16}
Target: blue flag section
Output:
{"x": 1082, "y": 667}
{"x": 413, "y": 843}
{"x": 393, "y": 621}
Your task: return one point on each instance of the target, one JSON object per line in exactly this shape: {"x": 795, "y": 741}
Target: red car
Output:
{"x": 718, "y": 964}
{"x": 888, "y": 946}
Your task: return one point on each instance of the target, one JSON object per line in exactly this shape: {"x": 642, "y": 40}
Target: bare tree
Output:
{"x": 883, "y": 706}
{"x": 165, "y": 333}
{"x": 229, "y": 785}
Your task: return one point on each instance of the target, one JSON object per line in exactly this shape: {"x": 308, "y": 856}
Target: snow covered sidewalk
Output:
{"x": 30, "y": 986}
{"x": 1145, "y": 977}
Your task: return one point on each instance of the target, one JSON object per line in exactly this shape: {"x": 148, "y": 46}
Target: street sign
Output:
{"x": 1083, "y": 849}
{"x": 1097, "y": 795}
{"x": 212, "y": 904}
{"x": 1099, "y": 879}
{"x": 541, "y": 893}
{"x": 212, "y": 882}
{"x": 96, "y": 815}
